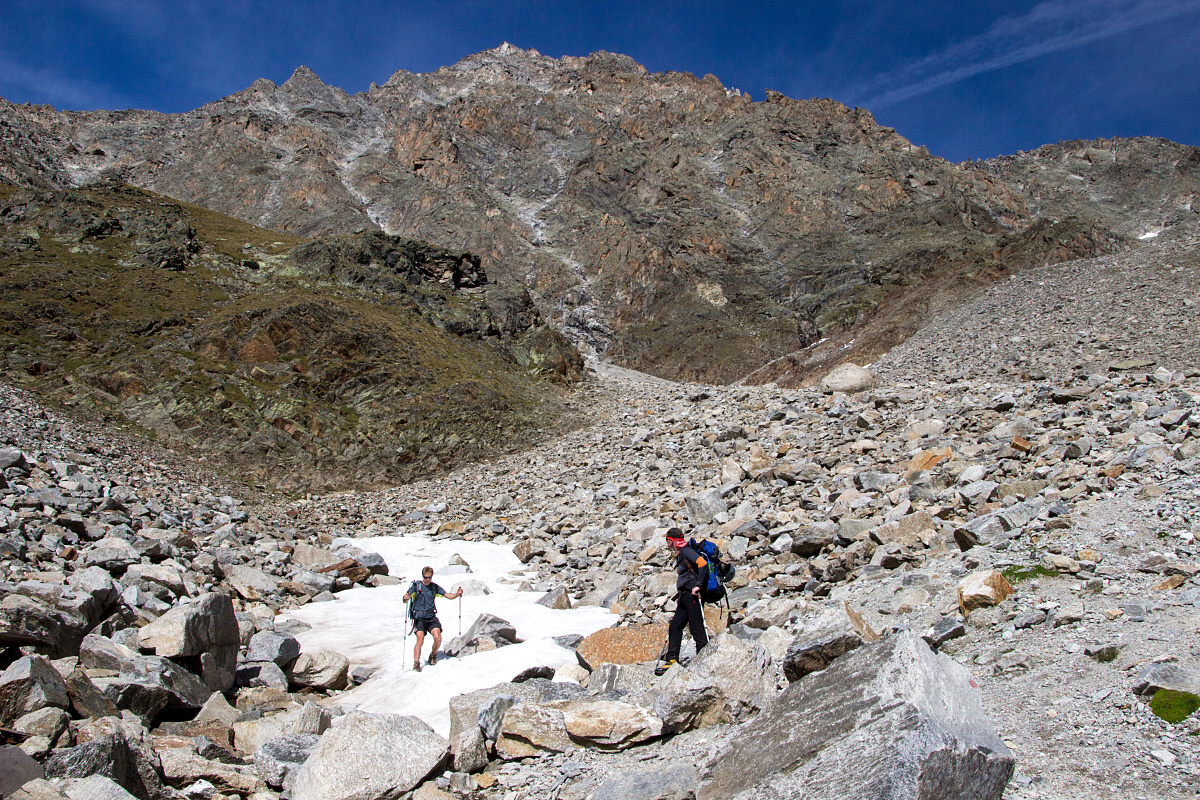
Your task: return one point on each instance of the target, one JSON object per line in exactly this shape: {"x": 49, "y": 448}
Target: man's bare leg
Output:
{"x": 437, "y": 644}
{"x": 417, "y": 649}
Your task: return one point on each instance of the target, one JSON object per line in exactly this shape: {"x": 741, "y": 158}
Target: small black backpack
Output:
{"x": 719, "y": 571}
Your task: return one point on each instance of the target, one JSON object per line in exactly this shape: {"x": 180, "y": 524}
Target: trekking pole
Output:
{"x": 460, "y": 612}
{"x": 404, "y": 640}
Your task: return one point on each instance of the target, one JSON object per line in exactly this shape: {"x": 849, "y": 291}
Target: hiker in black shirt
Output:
{"x": 424, "y": 613}
{"x": 692, "y": 568}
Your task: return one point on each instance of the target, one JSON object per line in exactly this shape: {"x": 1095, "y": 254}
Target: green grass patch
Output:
{"x": 1174, "y": 706}
{"x": 1017, "y": 574}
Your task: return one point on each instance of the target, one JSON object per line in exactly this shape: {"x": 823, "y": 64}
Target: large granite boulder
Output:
{"x": 320, "y": 669}
{"x": 370, "y": 756}
{"x": 25, "y": 621}
{"x": 534, "y": 729}
{"x": 183, "y": 767}
{"x": 487, "y": 632}
{"x": 275, "y": 758}
{"x": 465, "y": 708}
{"x": 279, "y": 648}
{"x": 633, "y": 644}
{"x": 185, "y": 689}
{"x": 730, "y": 679}
{"x": 983, "y": 589}
{"x": 99, "y": 589}
{"x": 113, "y": 756}
{"x": 30, "y": 683}
{"x": 890, "y": 720}
{"x": 1165, "y": 675}
{"x": 835, "y": 633}
{"x": 848, "y": 378}
{"x": 16, "y": 769}
{"x": 206, "y": 627}
{"x": 670, "y": 782}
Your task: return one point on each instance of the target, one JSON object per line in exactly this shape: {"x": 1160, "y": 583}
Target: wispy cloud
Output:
{"x": 49, "y": 86}
{"x": 1050, "y": 27}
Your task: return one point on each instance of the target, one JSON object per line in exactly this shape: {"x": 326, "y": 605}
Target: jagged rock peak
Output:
{"x": 303, "y": 77}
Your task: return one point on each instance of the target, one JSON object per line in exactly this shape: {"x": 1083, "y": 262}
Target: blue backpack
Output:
{"x": 718, "y": 571}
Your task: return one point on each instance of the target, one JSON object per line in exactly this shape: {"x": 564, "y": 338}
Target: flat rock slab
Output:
{"x": 16, "y": 769}
{"x": 890, "y": 720}
{"x": 676, "y": 780}
{"x": 635, "y": 644}
{"x": 370, "y": 756}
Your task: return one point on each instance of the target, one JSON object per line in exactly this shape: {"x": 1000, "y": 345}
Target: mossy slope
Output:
{"x": 359, "y": 361}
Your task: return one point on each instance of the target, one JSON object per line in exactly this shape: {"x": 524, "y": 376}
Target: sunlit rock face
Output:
{"x": 665, "y": 219}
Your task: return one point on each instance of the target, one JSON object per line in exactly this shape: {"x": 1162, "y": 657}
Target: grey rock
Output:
{"x": 979, "y": 491}
{"x": 99, "y": 587}
{"x": 670, "y": 782}
{"x": 261, "y": 673}
{"x": 370, "y": 756}
{"x": 97, "y": 787}
{"x": 111, "y": 553}
{"x": 112, "y": 756}
{"x": 1029, "y": 619}
{"x": 558, "y": 598}
{"x": 892, "y": 719}
{"x": 606, "y": 590}
{"x": 1165, "y": 675}
{"x": 28, "y": 684}
{"x": 728, "y": 680}
{"x": 16, "y": 767}
{"x": 250, "y": 583}
{"x": 312, "y": 719}
{"x": 279, "y": 648}
{"x": 313, "y": 582}
{"x": 486, "y": 632}
{"x": 275, "y": 758}
{"x": 320, "y": 669}
{"x": 470, "y": 751}
{"x": 12, "y": 457}
{"x": 944, "y": 630}
{"x": 49, "y": 723}
{"x": 25, "y": 621}
{"x": 188, "y": 630}
{"x": 815, "y": 653}
{"x": 848, "y": 378}
{"x": 185, "y": 688}
{"x": 491, "y": 716}
{"x": 622, "y": 678}
{"x": 99, "y": 652}
{"x": 570, "y": 641}
{"x": 814, "y": 538}
{"x": 703, "y": 507}
{"x": 142, "y": 679}
{"x": 464, "y": 708}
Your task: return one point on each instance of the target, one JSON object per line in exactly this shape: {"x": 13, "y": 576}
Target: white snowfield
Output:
{"x": 368, "y": 626}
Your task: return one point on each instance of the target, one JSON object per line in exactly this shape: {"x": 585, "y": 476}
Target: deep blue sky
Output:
{"x": 967, "y": 79}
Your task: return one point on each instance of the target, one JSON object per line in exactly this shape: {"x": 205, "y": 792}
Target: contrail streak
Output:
{"x": 1049, "y": 27}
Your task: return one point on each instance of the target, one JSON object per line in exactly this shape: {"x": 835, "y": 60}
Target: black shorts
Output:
{"x": 426, "y": 625}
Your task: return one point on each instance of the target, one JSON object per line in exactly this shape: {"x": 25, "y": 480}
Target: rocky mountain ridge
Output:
{"x": 663, "y": 219}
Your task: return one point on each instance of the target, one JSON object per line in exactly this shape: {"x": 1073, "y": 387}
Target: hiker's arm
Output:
{"x": 701, "y": 574}
{"x": 457, "y": 593}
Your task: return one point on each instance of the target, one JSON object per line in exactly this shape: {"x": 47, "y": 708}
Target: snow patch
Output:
{"x": 368, "y": 627}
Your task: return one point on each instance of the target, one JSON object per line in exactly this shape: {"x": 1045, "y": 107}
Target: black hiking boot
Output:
{"x": 662, "y": 668}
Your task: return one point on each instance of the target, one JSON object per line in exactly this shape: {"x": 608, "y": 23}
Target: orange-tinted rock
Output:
{"x": 630, "y": 645}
